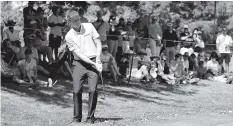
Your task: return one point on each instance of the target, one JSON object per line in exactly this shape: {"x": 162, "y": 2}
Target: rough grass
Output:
{"x": 208, "y": 103}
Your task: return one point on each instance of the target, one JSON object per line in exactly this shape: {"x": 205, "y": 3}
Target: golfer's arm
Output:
{"x": 99, "y": 46}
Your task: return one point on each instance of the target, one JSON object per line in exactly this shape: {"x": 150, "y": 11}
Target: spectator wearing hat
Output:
{"x": 113, "y": 36}
{"x": 11, "y": 34}
{"x": 81, "y": 13}
{"x": 169, "y": 38}
{"x": 56, "y": 24}
{"x": 102, "y": 27}
{"x": 223, "y": 44}
{"x": 87, "y": 64}
{"x": 109, "y": 63}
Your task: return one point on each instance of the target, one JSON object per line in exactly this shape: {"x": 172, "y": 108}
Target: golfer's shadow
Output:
{"x": 100, "y": 119}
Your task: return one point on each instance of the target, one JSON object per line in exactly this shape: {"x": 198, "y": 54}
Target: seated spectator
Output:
{"x": 193, "y": 64}
{"x": 81, "y": 13}
{"x": 187, "y": 49}
{"x": 177, "y": 68}
{"x": 202, "y": 72}
{"x": 185, "y": 35}
{"x": 28, "y": 71}
{"x": 124, "y": 64}
{"x": 9, "y": 52}
{"x": 39, "y": 41}
{"x": 186, "y": 63}
{"x": 11, "y": 34}
{"x": 157, "y": 71}
{"x": 213, "y": 66}
{"x": 199, "y": 43}
{"x": 109, "y": 64}
{"x": 140, "y": 67}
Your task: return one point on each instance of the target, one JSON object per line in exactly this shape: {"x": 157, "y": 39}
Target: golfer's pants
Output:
{"x": 81, "y": 72}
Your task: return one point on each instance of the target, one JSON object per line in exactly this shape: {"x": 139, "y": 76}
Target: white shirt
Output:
{"x": 213, "y": 66}
{"x": 223, "y": 43}
{"x": 184, "y": 50}
{"x": 7, "y": 34}
{"x": 83, "y": 42}
{"x": 57, "y": 30}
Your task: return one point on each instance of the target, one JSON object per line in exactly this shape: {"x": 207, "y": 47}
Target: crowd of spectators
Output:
{"x": 139, "y": 50}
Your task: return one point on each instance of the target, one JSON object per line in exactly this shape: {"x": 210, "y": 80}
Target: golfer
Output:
{"x": 83, "y": 40}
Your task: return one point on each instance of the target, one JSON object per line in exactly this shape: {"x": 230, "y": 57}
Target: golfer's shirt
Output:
{"x": 83, "y": 41}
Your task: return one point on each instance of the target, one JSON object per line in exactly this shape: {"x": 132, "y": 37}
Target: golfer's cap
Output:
{"x": 73, "y": 15}
{"x": 104, "y": 46}
{"x": 32, "y": 22}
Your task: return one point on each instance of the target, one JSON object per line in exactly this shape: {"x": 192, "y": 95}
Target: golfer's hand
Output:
{"x": 98, "y": 65}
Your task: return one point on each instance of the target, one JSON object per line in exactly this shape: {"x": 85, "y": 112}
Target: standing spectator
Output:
{"x": 2, "y": 28}
{"x": 155, "y": 34}
{"x": 113, "y": 36}
{"x": 223, "y": 44}
{"x": 11, "y": 33}
{"x": 39, "y": 41}
{"x": 169, "y": 38}
{"x": 56, "y": 23}
{"x": 102, "y": 27}
{"x": 42, "y": 20}
{"x": 29, "y": 13}
{"x": 199, "y": 43}
{"x": 122, "y": 28}
{"x": 81, "y": 13}
{"x": 185, "y": 35}
{"x": 130, "y": 34}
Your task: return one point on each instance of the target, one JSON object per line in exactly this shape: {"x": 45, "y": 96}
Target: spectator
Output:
{"x": 28, "y": 71}
{"x": 109, "y": 64}
{"x": 39, "y": 41}
{"x": 177, "y": 68}
{"x": 185, "y": 35}
{"x": 213, "y": 66}
{"x": 169, "y": 38}
{"x": 122, "y": 28}
{"x": 125, "y": 62}
{"x": 130, "y": 35}
{"x": 81, "y": 13}
{"x": 155, "y": 34}
{"x": 56, "y": 23}
{"x": 202, "y": 72}
{"x": 186, "y": 63}
{"x": 42, "y": 20}
{"x": 223, "y": 44}
{"x": 29, "y": 13}
{"x": 11, "y": 34}
{"x": 193, "y": 63}
{"x": 113, "y": 36}
{"x": 140, "y": 67}
{"x": 102, "y": 27}
{"x": 199, "y": 43}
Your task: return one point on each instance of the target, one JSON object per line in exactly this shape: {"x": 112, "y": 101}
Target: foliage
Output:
{"x": 193, "y": 13}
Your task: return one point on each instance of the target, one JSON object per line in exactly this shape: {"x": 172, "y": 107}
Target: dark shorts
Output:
{"x": 54, "y": 42}
{"x": 226, "y": 56}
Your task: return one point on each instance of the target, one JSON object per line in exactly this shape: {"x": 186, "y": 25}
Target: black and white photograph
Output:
{"x": 116, "y": 63}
